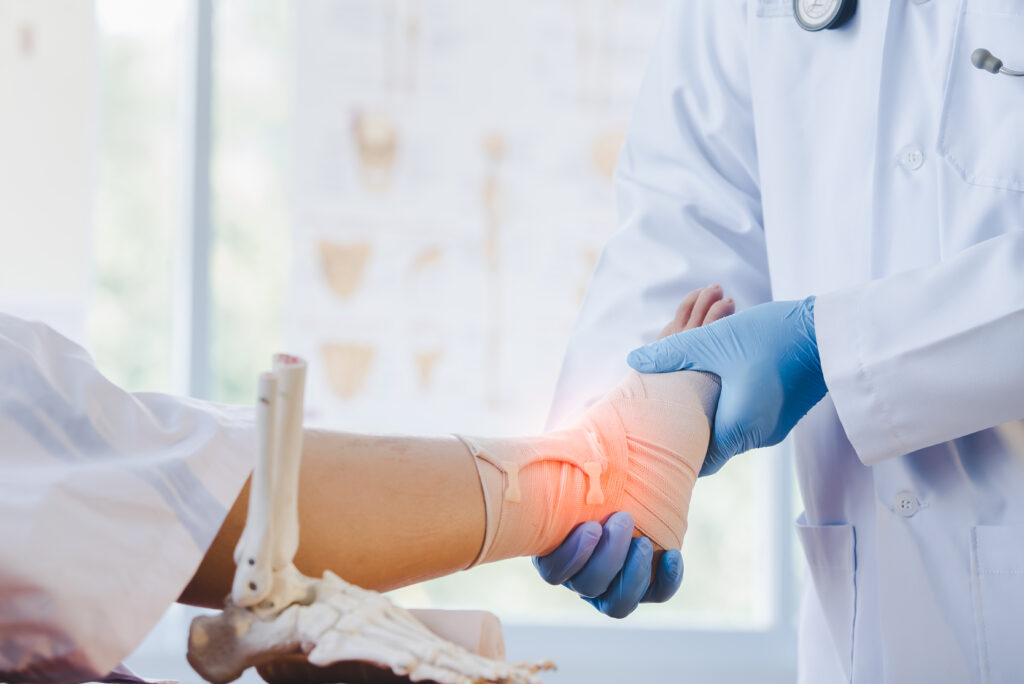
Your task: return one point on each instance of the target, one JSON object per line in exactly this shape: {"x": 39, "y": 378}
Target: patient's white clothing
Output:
{"x": 108, "y": 502}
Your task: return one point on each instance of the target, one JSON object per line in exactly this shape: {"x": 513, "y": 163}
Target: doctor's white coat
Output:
{"x": 874, "y": 167}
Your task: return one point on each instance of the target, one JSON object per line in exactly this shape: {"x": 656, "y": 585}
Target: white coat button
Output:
{"x": 911, "y": 158}
{"x": 906, "y": 504}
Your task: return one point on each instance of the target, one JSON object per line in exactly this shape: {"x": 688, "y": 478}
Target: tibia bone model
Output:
{"x": 275, "y": 611}
{"x": 265, "y": 578}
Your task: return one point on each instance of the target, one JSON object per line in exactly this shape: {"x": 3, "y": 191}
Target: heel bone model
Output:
{"x": 275, "y": 612}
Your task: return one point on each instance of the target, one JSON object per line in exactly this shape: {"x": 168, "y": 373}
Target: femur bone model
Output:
{"x": 276, "y": 612}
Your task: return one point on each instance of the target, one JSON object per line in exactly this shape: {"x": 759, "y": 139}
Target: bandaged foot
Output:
{"x": 639, "y": 449}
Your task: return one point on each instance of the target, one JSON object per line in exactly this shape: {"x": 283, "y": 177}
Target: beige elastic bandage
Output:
{"x": 638, "y": 449}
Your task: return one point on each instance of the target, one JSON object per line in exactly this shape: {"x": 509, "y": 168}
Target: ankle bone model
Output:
{"x": 277, "y": 613}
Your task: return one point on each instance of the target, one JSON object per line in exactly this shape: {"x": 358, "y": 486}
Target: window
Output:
{"x": 138, "y": 191}
{"x": 412, "y": 195}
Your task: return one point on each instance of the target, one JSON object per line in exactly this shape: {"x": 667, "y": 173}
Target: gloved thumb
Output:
{"x": 672, "y": 353}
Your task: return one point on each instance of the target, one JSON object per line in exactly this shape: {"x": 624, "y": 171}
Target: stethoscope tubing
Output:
{"x": 843, "y": 11}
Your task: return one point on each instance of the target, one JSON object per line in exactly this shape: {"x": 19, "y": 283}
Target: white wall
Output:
{"x": 48, "y": 86}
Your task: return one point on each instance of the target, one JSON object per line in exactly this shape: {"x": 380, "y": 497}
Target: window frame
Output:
{"x": 190, "y": 366}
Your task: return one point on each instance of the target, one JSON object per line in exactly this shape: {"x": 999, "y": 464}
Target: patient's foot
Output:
{"x": 638, "y": 449}
{"x": 700, "y": 307}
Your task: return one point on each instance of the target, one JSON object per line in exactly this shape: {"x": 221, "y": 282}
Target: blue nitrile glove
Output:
{"x": 767, "y": 358}
{"x": 611, "y": 570}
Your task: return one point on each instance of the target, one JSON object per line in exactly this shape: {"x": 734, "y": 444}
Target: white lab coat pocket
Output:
{"x": 831, "y": 557}
{"x": 983, "y": 113}
{"x": 997, "y": 573}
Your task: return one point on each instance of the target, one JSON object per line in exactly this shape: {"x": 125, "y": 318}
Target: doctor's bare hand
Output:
{"x": 767, "y": 359}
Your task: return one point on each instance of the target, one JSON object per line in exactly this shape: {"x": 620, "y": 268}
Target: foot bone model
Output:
{"x": 275, "y": 611}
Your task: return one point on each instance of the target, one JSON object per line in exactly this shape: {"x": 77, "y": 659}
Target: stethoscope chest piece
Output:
{"x": 815, "y": 15}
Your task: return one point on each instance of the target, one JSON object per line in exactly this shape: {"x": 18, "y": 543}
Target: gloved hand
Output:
{"x": 611, "y": 570}
{"x": 767, "y": 359}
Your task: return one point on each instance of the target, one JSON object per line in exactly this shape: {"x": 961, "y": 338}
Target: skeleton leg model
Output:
{"x": 265, "y": 578}
{"x": 275, "y": 611}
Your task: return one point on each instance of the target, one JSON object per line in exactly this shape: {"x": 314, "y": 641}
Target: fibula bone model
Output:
{"x": 277, "y": 613}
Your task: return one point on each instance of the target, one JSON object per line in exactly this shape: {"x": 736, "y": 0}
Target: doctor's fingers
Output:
{"x": 730, "y": 434}
{"x": 723, "y": 437}
{"x": 668, "y": 577}
{"x": 628, "y": 588}
{"x": 571, "y": 555}
{"x": 608, "y": 558}
{"x": 682, "y": 351}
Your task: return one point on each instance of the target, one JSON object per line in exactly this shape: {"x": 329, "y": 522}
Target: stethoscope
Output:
{"x": 815, "y": 15}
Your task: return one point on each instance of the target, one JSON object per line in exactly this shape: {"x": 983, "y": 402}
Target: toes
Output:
{"x": 707, "y": 297}
{"x": 681, "y": 316}
{"x": 719, "y": 310}
{"x": 698, "y": 308}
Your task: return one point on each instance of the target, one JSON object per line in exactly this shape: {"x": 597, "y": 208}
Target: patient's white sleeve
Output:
{"x": 929, "y": 355}
{"x": 108, "y": 502}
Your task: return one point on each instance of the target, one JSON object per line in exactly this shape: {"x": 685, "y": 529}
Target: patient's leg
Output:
{"x": 384, "y": 512}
